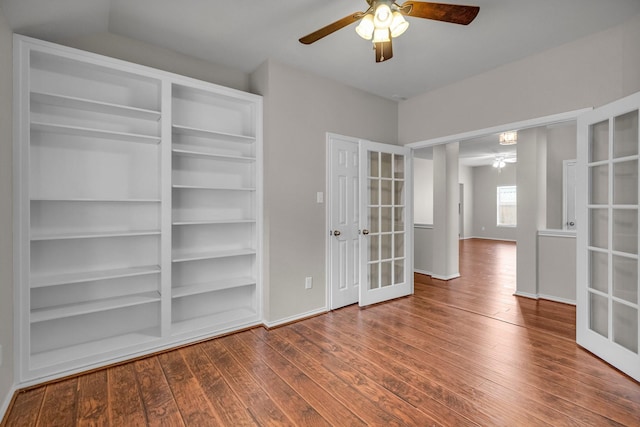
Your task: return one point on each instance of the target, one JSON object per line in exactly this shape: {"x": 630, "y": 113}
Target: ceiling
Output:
{"x": 483, "y": 150}
{"x": 474, "y": 152}
{"x": 244, "y": 33}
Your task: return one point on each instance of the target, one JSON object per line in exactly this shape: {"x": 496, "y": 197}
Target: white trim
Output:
{"x": 327, "y": 221}
{"x": 7, "y": 401}
{"x": 545, "y": 297}
{"x": 425, "y": 272}
{"x": 297, "y": 317}
{"x": 557, "y": 233}
{"x": 491, "y": 238}
{"x": 557, "y": 299}
{"x": 526, "y": 295}
{"x": 449, "y": 277}
{"x": 565, "y": 167}
{"x": 524, "y": 124}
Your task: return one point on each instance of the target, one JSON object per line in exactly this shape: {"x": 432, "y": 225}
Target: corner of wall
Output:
{"x": 139, "y": 52}
{"x": 7, "y": 379}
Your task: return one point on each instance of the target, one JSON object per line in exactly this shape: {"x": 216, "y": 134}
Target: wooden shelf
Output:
{"x": 183, "y": 256}
{"x": 192, "y": 152}
{"x": 205, "y": 133}
{"x": 206, "y": 187}
{"x": 90, "y": 276}
{"x": 70, "y": 310}
{"x": 93, "y": 235}
{"x": 202, "y": 288}
{"x": 94, "y": 133}
{"x": 95, "y": 106}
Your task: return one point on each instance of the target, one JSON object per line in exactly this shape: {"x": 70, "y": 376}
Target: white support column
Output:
{"x": 531, "y": 192}
{"x": 445, "y": 211}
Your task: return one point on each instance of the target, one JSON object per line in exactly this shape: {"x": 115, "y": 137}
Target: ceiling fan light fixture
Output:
{"x": 382, "y": 16}
{"x": 509, "y": 137}
{"x": 381, "y": 35}
{"x": 398, "y": 24}
{"x": 366, "y": 27}
{"x": 499, "y": 163}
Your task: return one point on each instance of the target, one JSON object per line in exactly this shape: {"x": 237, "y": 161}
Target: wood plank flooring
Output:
{"x": 459, "y": 353}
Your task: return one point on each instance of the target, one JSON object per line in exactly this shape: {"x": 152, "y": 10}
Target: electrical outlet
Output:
{"x": 308, "y": 283}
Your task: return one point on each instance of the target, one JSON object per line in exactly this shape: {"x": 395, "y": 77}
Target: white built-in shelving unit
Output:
{"x": 138, "y": 210}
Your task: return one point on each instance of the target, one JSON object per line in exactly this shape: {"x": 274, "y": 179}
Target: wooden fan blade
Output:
{"x": 454, "y": 13}
{"x": 331, "y": 28}
{"x": 384, "y": 51}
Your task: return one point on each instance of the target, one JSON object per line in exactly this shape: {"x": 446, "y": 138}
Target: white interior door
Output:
{"x": 386, "y": 218}
{"x": 344, "y": 241}
{"x": 607, "y": 234}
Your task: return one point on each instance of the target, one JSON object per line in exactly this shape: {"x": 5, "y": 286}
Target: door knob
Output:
{"x": 572, "y": 223}
{"x": 336, "y": 233}
{"x": 365, "y": 231}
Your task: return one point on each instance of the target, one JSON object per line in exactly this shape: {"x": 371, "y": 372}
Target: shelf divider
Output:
{"x": 94, "y": 133}
{"x": 183, "y": 256}
{"x": 95, "y": 106}
{"x": 77, "y": 309}
{"x": 90, "y": 276}
{"x": 201, "y": 288}
{"x": 205, "y": 133}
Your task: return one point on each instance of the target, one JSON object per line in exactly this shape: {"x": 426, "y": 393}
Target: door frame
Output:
{"x": 565, "y": 188}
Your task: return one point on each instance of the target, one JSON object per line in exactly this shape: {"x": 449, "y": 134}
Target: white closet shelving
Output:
{"x": 214, "y": 250}
{"x": 138, "y": 209}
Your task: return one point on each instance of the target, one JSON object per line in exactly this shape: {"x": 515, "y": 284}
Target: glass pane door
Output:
{"x": 387, "y": 262}
{"x": 607, "y": 300}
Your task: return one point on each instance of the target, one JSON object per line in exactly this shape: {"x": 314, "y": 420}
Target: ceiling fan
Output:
{"x": 384, "y": 20}
{"x": 502, "y": 160}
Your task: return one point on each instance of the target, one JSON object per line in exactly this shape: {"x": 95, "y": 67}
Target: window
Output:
{"x": 507, "y": 206}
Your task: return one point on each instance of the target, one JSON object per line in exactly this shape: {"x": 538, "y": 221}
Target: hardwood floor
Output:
{"x": 459, "y": 353}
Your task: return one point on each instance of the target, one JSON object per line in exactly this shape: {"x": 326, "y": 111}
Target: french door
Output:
{"x": 386, "y": 221}
{"x": 607, "y": 238}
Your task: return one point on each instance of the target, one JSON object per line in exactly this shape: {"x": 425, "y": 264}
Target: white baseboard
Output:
{"x": 545, "y": 297}
{"x": 7, "y": 401}
{"x": 491, "y": 238}
{"x": 449, "y": 277}
{"x": 425, "y": 272}
{"x": 295, "y": 318}
{"x": 557, "y": 299}
{"x": 526, "y": 295}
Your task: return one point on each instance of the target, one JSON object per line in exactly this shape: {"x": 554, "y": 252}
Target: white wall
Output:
{"x": 422, "y": 191}
{"x": 561, "y": 145}
{"x": 300, "y": 108}
{"x": 423, "y": 249}
{"x": 147, "y": 54}
{"x": 557, "y": 267}
{"x": 465, "y": 176}
{"x": 6, "y": 206}
{"x": 591, "y": 71}
{"x": 532, "y": 214}
{"x": 486, "y": 180}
